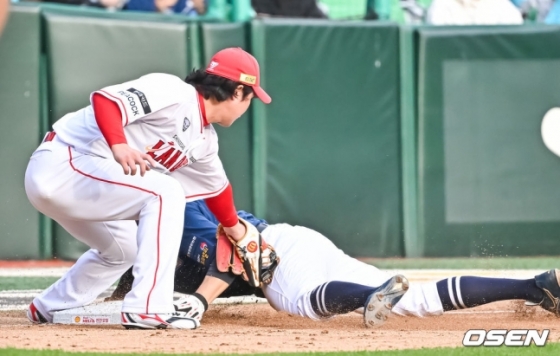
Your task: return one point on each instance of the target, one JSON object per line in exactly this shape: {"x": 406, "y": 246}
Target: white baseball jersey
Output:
{"x": 173, "y": 131}
{"x": 73, "y": 178}
{"x": 300, "y": 272}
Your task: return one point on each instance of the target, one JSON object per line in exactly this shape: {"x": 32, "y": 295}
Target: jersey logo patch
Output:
{"x": 131, "y": 102}
{"x": 167, "y": 155}
{"x": 143, "y": 100}
{"x": 179, "y": 142}
{"x": 203, "y": 254}
{"x": 248, "y": 79}
{"x": 186, "y": 124}
{"x": 189, "y": 251}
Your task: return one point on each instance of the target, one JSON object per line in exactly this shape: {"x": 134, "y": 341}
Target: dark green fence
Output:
{"x": 392, "y": 141}
{"x": 235, "y": 141}
{"x": 20, "y": 113}
{"x": 89, "y": 53}
{"x": 327, "y": 151}
{"x": 486, "y": 184}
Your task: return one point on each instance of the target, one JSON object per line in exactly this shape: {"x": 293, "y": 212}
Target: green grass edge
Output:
{"x": 549, "y": 349}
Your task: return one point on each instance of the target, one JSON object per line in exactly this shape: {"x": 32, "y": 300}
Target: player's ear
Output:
{"x": 238, "y": 93}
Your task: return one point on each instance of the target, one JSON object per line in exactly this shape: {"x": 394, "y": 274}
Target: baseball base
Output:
{"x": 109, "y": 313}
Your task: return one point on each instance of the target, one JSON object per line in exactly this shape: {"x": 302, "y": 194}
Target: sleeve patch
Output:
{"x": 135, "y": 102}
{"x": 143, "y": 100}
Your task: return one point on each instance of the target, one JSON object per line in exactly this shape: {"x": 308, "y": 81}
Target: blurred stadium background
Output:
{"x": 393, "y": 137}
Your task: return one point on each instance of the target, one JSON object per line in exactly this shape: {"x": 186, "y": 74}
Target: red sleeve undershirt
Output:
{"x": 222, "y": 207}
{"x": 109, "y": 119}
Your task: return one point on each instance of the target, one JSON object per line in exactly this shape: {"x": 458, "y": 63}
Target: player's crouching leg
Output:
{"x": 149, "y": 305}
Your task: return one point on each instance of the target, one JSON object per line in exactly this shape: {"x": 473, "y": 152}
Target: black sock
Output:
{"x": 339, "y": 297}
{"x": 468, "y": 292}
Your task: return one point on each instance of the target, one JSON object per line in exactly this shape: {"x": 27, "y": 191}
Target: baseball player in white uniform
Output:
{"x": 84, "y": 176}
{"x": 317, "y": 280}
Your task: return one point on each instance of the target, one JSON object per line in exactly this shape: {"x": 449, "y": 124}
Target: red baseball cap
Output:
{"x": 237, "y": 65}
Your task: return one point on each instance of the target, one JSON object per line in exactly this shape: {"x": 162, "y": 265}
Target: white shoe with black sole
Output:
{"x": 380, "y": 303}
{"x": 158, "y": 321}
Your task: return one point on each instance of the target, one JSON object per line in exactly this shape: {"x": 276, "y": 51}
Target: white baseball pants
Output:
{"x": 308, "y": 259}
{"x": 97, "y": 203}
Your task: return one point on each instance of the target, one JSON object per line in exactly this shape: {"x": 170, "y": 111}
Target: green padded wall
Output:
{"x": 235, "y": 141}
{"x": 88, "y": 53}
{"x": 327, "y": 148}
{"x": 408, "y": 86}
{"x": 486, "y": 183}
{"x": 20, "y": 47}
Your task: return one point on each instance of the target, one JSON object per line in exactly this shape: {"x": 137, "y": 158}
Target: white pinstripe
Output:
{"x": 458, "y": 289}
{"x": 450, "y": 291}
{"x": 318, "y": 299}
{"x": 323, "y": 299}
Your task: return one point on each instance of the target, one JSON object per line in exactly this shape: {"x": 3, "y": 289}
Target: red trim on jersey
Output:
{"x": 122, "y": 104}
{"x": 202, "y": 108}
{"x": 157, "y": 261}
{"x": 223, "y": 208}
{"x": 133, "y": 187}
{"x": 109, "y": 119}
{"x": 205, "y": 194}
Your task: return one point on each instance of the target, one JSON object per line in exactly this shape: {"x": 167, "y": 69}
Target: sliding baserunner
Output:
{"x": 317, "y": 280}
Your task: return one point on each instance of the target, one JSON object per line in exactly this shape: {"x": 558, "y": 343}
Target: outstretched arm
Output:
{"x": 200, "y": 223}
{"x": 223, "y": 208}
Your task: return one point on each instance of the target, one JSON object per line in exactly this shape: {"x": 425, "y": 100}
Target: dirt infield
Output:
{"x": 258, "y": 328}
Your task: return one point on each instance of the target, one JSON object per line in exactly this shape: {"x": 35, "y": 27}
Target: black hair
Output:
{"x": 212, "y": 86}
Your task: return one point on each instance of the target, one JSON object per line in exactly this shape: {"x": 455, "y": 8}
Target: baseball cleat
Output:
{"x": 192, "y": 305}
{"x": 35, "y": 316}
{"x": 549, "y": 283}
{"x": 380, "y": 303}
{"x": 158, "y": 321}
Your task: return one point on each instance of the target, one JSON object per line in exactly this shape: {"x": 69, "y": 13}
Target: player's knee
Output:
{"x": 129, "y": 252}
{"x": 129, "y": 257}
{"x": 122, "y": 253}
{"x": 38, "y": 192}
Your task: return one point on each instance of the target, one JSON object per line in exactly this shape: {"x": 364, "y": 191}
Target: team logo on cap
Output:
{"x": 212, "y": 65}
{"x": 246, "y": 78}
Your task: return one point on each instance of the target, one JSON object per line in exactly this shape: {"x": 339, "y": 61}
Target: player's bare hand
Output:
{"x": 236, "y": 232}
{"x": 130, "y": 159}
